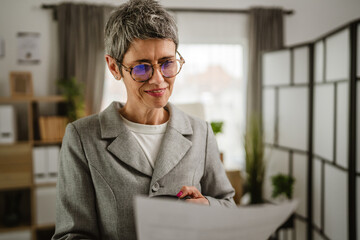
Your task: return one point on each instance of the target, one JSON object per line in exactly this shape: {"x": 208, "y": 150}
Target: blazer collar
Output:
{"x": 174, "y": 145}
{"x": 111, "y": 124}
{"x": 126, "y": 148}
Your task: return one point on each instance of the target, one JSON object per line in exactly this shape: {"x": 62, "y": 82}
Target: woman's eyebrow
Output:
{"x": 148, "y": 61}
{"x": 141, "y": 60}
{"x": 167, "y": 57}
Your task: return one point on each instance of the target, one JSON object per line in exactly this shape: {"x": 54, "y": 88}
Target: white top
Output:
{"x": 148, "y": 136}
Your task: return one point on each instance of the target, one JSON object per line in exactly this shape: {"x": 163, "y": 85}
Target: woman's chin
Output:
{"x": 157, "y": 103}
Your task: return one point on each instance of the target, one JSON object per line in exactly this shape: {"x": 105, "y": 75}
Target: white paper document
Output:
{"x": 159, "y": 219}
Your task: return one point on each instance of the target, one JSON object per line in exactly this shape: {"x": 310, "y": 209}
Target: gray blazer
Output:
{"x": 102, "y": 167}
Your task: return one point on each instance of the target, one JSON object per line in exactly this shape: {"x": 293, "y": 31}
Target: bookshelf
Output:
{"x": 17, "y": 181}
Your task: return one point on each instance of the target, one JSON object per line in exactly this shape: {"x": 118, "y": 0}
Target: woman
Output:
{"x": 143, "y": 147}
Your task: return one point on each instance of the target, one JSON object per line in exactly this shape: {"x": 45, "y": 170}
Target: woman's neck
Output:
{"x": 153, "y": 116}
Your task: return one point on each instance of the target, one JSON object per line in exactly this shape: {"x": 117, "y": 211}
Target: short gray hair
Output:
{"x": 138, "y": 19}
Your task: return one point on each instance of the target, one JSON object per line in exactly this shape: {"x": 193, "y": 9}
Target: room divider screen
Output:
{"x": 310, "y": 117}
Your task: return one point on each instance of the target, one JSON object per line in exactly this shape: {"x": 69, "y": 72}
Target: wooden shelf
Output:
{"x": 49, "y": 99}
{"x": 15, "y": 143}
{"x": 54, "y": 98}
{"x": 16, "y": 161}
{"x": 49, "y": 184}
{"x": 14, "y": 187}
{"x": 45, "y": 226}
{"x": 46, "y": 142}
{"x": 22, "y": 227}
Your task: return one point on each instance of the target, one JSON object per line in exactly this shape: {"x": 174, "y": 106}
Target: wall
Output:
{"x": 299, "y": 112}
{"x": 312, "y": 18}
{"x": 27, "y": 16}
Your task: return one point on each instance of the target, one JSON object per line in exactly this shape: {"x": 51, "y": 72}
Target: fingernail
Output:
{"x": 179, "y": 194}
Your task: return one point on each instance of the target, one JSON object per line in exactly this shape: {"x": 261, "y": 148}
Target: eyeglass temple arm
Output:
{"x": 181, "y": 58}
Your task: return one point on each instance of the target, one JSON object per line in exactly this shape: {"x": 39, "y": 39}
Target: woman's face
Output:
{"x": 155, "y": 92}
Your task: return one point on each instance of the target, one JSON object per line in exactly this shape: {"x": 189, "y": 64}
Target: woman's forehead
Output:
{"x": 150, "y": 49}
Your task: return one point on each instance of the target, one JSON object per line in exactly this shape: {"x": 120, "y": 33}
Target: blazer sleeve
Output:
{"x": 215, "y": 185}
{"x": 76, "y": 216}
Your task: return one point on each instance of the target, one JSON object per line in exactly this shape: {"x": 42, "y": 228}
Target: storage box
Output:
{"x": 52, "y": 128}
{"x": 45, "y": 205}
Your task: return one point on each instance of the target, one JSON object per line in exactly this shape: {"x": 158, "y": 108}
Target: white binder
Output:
{"x": 7, "y": 124}
{"x": 52, "y": 157}
{"x": 40, "y": 164}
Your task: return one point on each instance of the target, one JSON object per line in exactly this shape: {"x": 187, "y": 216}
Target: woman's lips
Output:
{"x": 156, "y": 92}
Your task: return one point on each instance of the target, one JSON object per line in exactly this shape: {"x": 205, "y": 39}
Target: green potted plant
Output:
{"x": 73, "y": 91}
{"x": 282, "y": 186}
{"x": 282, "y": 190}
{"x": 254, "y": 158}
{"x": 217, "y": 127}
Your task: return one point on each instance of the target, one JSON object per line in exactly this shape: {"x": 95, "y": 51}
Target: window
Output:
{"x": 214, "y": 76}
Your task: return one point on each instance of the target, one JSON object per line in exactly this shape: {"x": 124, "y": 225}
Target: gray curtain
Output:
{"x": 81, "y": 41}
{"x": 265, "y": 33}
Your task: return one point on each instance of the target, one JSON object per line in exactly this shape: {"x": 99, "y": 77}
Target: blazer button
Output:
{"x": 155, "y": 187}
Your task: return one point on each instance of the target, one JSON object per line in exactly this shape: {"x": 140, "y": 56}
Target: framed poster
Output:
{"x": 21, "y": 84}
{"x": 28, "y": 47}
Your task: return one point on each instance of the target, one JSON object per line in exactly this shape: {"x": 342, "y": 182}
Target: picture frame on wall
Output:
{"x": 21, "y": 84}
{"x": 28, "y": 47}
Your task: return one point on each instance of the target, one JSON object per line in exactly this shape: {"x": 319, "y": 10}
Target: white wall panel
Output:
{"x": 269, "y": 115}
{"x": 358, "y": 128}
{"x": 324, "y": 120}
{"x": 286, "y": 234}
{"x": 293, "y": 117}
{"x": 337, "y": 56}
{"x": 317, "y": 236}
{"x": 342, "y": 124}
{"x": 317, "y": 192}
{"x": 336, "y": 203}
{"x": 358, "y": 207}
{"x": 358, "y": 53}
{"x": 300, "y": 230}
{"x": 276, "y": 68}
{"x": 319, "y": 62}
{"x": 277, "y": 161}
{"x": 301, "y": 65}
{"x": 300, "y": 170}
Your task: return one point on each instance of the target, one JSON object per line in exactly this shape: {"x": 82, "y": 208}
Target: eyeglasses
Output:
{"x": 143, "y": 72}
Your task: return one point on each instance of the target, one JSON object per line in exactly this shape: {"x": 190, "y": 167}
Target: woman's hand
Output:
{"x": 194, "y": 194}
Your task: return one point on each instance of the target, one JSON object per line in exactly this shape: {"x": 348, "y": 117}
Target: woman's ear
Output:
{"x": 113, "y": 67}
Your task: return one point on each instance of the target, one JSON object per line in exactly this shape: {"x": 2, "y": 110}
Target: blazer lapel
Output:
{"x": 174, "y": 145}
{"x": 125, "y": 147}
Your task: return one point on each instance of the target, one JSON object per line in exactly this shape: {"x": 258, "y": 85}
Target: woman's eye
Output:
{"x": 167, "y": 63}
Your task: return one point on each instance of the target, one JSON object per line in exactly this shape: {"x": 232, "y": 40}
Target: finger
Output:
{"x": 189, "y": 191}
{"x": 184, "y": 191}
{"x": 202, "y": 200}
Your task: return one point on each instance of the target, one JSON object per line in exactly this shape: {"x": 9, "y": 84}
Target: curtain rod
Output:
{"x": 217, "y": 10}
{"x": 201, "y": 10}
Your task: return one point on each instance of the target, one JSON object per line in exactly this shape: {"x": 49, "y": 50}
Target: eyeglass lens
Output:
{"x": 170, "y": 68}
{"x": 143, "y": 72}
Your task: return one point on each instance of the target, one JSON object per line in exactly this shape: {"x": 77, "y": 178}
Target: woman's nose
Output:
{"x": 157, "y": 76}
